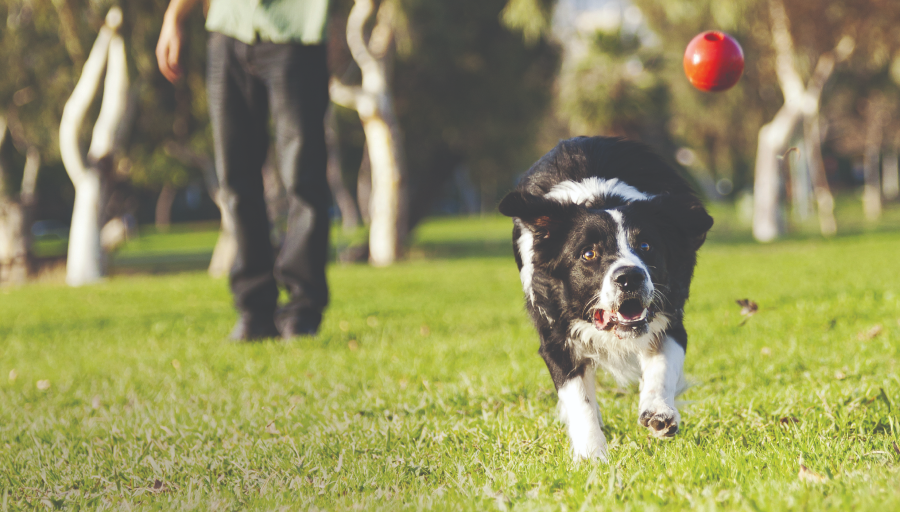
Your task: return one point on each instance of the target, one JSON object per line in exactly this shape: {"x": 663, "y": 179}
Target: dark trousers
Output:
{"x": 248, "y": 84}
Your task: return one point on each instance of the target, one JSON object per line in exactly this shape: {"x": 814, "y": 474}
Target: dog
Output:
{"x": 605, "y": 237}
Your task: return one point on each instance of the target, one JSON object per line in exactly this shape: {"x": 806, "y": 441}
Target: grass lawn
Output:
{"x": 424, "y": 390}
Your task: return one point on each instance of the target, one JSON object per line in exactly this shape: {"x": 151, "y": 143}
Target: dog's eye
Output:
{"x": 589, "y": 255}
{"x": 645, "y": 247}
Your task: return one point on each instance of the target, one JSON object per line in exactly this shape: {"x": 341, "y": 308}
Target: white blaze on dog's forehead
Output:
{"x": 626, "y": 254}
{"x": 626, "y": 258}
{"x": 526, "y": 252}
{"x": 590, "y": 189}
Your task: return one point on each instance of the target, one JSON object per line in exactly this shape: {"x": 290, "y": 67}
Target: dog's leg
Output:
{"x": 662, "y": 378}
{"x": 579, "y": 411}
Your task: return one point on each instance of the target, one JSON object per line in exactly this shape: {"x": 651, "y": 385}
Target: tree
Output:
{"x": 469, "y": 96}
{"x": 16, "y": 210}
{"x": 384, "y": 140}
{"x": 90, "y": 174}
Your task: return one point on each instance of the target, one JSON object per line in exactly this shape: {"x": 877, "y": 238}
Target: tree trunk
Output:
{"x": 824, "y": 200}
{"x": 16, "y": 214}
{"x": 164, "y": 207}
{"x": 345, "y": 203}
{"x": 890, "y": 175}
{"x": 768, "y": 221}
{"x": 364, "y": 187}
{"x": 226, "y": 245}
{"x": 85, "y": 256}
{"x": 385, "y": 228}
{"x": 871, "y": 159}
{"x": 799, "y": 100}
{"x": 374, "y": 104}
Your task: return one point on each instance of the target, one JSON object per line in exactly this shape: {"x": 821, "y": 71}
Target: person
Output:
{"x": 267, "y": 59}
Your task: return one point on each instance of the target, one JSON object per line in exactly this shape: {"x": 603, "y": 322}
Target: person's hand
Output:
{"x": 168, "y": 49}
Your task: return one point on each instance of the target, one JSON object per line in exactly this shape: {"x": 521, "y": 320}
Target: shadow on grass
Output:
{"x": 189, "y": 247}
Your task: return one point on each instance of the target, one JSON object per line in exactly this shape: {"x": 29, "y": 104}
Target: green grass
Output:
{"x": 424, "y": 390}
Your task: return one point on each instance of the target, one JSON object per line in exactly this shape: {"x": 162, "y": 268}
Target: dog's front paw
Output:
{"x": 662, "y": 420}
{"x": 591, "y": 451}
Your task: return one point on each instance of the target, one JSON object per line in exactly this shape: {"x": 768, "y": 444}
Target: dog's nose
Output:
{"x": 629, "y": 279}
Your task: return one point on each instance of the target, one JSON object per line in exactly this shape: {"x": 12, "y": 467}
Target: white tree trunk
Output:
{"x": 799, "y": 100}
{"x": 384, "y": 142}
{"x": 824, "y": 200}
{"x": 385, "y": 200}
{"x": 890, "y": 175}
{"x": 768, "y": 223}
{"x": 84, "y": 264}
{"x": 226, "y": 245}
{"x": 872, "y": 159}
{"x": 163, "y": 213}
{"x": 85, "y": 257}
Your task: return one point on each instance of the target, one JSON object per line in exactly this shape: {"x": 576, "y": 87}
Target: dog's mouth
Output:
{"x": 630, "y": 315}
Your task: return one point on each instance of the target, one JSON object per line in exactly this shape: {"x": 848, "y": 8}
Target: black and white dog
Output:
{"x": 606, "y": 237}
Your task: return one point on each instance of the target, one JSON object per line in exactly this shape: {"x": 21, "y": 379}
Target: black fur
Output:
{"x": 672, "y": 222}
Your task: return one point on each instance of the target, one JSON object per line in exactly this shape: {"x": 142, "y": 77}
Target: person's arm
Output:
{"x": 171, "y": 38}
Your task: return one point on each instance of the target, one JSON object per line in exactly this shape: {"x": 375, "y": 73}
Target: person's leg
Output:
{"x": 238, "y": 111}
{"x": 297, "y": 80}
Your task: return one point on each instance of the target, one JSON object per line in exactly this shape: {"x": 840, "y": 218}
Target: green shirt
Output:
{"x": 274, "y": 21}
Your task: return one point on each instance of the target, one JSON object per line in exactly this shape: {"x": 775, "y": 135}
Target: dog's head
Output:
{"x": 615, "y": 261}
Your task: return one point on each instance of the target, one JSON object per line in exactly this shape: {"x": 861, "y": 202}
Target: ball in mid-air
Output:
{"x": 713, "y": 61}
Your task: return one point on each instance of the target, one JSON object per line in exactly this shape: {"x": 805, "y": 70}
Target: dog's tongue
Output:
{"x": 602, "y": 318}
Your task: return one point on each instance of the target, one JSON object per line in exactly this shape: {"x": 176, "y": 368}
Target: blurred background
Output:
{"x": 481, "y": 89}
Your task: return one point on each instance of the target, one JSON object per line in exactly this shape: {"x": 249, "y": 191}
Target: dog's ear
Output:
{"x": 545, "y": 217}
{"x": 684, "y": 213}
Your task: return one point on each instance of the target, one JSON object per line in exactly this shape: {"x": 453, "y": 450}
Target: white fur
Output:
{"x": 526, "y": 252}
{"x": 627, "y": 258}
{"x": 662, "y": 379}
{"x": 588, "y": 190}
{"x": 579, "y": 411}
{"x": 620, "y": 357}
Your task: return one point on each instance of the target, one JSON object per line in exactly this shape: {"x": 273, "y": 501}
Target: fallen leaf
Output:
{"x": 810, "y": 476}
{"x": 870, "y": 334}
{"x": 158, "y": 486}
{"x": 43, "y": 385}
{"x": 788, "y": 420}
{"x": 748, "y": 309}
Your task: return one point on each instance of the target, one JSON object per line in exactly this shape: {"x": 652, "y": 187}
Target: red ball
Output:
{"x": 713, "y": 61}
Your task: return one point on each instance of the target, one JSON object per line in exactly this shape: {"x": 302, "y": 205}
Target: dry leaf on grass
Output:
{"x": 810, "y": 476}
{"x": 870, "y": 334}
{"x": 748, "y": 309}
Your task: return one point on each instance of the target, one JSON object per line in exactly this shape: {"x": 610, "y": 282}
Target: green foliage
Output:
{"x": 471, "y": 91}
{"x": 40, "y": 71}
{"x": 531, "y": 17}
{"x": 424, "y": 390}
